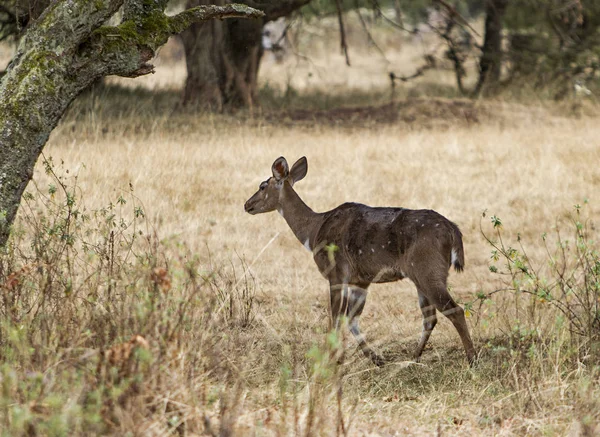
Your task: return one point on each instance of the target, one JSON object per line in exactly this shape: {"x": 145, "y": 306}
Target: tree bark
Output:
{"x": 490, "y": 64}
{"x": 64, "y": 51}
{"x": 223, "y": 58}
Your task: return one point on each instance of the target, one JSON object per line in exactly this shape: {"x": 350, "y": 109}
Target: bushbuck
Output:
{"x": 355, "y": 245}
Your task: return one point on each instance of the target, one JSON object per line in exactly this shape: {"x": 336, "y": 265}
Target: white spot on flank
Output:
{"x": 307, "y": 245}
{"x": 359, "y": 251}
{"x": 437, "y": 224}
{"x": 454, "y": 257}
{"x": 372, "y": 250}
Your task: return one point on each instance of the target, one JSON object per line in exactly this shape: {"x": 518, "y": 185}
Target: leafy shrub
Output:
{"x": 568, "y": 281}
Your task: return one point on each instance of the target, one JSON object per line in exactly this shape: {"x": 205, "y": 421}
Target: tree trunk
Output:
{"x": 490, "y": 64}
{"x": 60, "y": 55}
{"x": 223, "y": 58}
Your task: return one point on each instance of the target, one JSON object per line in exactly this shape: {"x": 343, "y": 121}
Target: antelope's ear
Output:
{"x": 280, "y": 169}
{"x": 298, "y": 170}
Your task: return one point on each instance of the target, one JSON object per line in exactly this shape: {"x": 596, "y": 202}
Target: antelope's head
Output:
{"x": 268, "y": 196}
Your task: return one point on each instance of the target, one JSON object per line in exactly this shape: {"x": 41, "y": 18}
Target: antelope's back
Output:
{"x": 376, "y": 244}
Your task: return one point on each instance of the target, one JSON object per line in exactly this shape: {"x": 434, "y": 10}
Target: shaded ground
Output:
{"x": 116, "y": 102}
{"x": 424, "y": 112}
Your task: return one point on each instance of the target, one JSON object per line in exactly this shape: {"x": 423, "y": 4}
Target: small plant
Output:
{"x": 568, "y": 281}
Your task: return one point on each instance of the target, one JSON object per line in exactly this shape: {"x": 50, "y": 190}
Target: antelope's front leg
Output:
{"x": 349, "y": 300}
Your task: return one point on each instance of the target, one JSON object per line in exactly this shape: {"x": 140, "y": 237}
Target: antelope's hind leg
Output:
{"x": 437, "y": 294}
{"x": 457, "y": 316}
{"x": 429, "y": 322}
{"x": 349, "y": 301}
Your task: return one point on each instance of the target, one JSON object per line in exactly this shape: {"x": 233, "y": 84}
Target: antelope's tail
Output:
{"x": 458, "y": 252}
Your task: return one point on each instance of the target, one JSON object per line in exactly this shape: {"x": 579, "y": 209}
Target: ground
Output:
{"x": 527, "y": 162}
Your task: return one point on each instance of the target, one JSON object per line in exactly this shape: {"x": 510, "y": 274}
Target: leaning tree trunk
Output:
{"x": 223, "y": 58}
{"x": 490, "y": 64}
{"x": 64, "y": 51}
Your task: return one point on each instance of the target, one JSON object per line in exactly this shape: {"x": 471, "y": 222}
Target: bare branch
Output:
{"x": 369, "y": 36}
{"x": 344, "y": 46}
{"x": 453, "y": 53}
{"x": 419, "y": 72}
{"x": 400, "y": 26}
{"x": 456, "y": 16}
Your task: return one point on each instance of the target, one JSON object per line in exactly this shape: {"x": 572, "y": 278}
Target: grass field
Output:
{"x": 232, "y": 306}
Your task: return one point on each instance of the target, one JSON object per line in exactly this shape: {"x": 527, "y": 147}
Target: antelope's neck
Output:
{"x": 302, "y": 220}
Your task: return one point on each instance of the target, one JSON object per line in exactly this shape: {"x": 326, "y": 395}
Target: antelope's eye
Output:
{"x": 262, "y": 186}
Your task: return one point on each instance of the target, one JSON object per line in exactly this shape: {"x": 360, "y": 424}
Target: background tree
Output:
{"x": 223, "y": 57}
{"x": 490, "y": 62}
{"x": 554, "y": 45}
{"x": 550, "y": 44}
{"x": 61, "y": 53}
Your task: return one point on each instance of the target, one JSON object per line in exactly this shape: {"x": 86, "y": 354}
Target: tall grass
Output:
{"x": 106, "y": 329}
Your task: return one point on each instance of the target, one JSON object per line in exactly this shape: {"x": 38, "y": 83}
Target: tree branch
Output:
{"x": 126, "y": 49}
{"x": 366, "y": 29}
{"x": 275, "y": 9}
{"x": 49, "y": 29}
{"x": 183, "y": 20}
{"x": 138, "y": 10}
{"x": 456, "y": 16}
{"x": 454, "y": 53}
{"x": 343, "y": 45}
{"x": 419, "y": 72}
{"x": 400, "y": 26}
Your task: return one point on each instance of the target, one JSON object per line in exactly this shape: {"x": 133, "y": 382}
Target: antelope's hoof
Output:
{"x": 377, "y": 360}
{"x": 472, "y": 360}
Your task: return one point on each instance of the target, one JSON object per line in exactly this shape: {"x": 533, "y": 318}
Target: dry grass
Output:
{"x": 259, "y": 375}
{"x": 193, "y": 181}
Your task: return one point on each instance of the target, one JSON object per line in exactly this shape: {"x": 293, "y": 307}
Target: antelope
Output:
{"x": 355, "y": 245}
